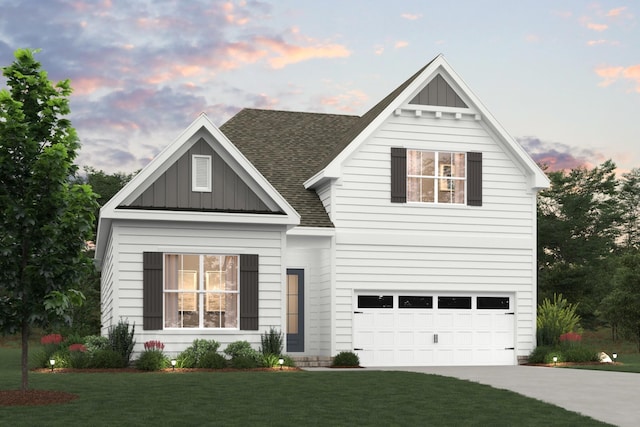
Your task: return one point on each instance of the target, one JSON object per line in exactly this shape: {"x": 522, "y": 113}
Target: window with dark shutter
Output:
{"x": 152, "y": 290}
{"x": 474, "y": 179}
{"x": 249, "y": 292}
{"x": 398, "y": 175}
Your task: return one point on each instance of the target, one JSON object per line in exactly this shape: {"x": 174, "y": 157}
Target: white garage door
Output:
{"x": 407, "y": 329}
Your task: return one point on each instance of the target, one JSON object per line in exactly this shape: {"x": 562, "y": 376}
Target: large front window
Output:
{"x": 435, "y": 177}
{"x": 201, "y": 291}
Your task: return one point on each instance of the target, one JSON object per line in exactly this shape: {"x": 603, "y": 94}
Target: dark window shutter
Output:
{"x": 152, "y": 290}
{"x": 398, "y": 175}
{"x": 474, "y": 179}
{"x": 249, "y": 292}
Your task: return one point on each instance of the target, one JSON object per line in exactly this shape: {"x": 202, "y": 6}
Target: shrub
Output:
{"x": 346, "y": 358}
{"x": 244, "y": 362}
{"x": 564, "y": 353}
{"x": 192, "y": 355}
{"x": 95, "y": 343}
{"x": 105, "y": 359}
{"x": 152, "y": 360}
{"x": 271, "y": 342}
{"x": 556, "y": 318}
{"x": 212, "y": 360}
{"x": 121, "y": 340}
{"x": 242, "y": 349}
{"x": 288, "y": 361}
{"x": 270, "y": 360}
{"x": 78, "y": 357}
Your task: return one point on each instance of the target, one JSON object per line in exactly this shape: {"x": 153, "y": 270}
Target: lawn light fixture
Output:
{"x": 615, "y": 356}
{"x": 281, "y": 362}
{"x": 173, "y": 364}
{"x": 555, "y": 360}
{"x": 52, "y": 362}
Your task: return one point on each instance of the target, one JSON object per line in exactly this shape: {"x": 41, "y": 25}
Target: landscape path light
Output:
{"x": 173, "y": 364}
{"x": 615, "y": 356}
{"x": 555, "y": 360}
{"x": 281, "y": 362}
{"x": 52, "y": 362}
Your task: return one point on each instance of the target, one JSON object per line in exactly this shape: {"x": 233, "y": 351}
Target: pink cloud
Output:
{"x": 532, "y": 38}
{"x": 89, "y": 85}
{"x": 411, "y": 16}
{"x": 400, "y": 44}
{"x": 350, "y": 101}
{"x": 597, "y": 27}
{"x": 290, "y": 54}
{"x": 613, "y": 74}
{"x": 616, "y": 12}
{"x": 378, "y": 50}
{"x": 596, "y": 42}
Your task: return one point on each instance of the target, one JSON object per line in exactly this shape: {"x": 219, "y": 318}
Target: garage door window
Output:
{"x": 455, "y": 302}
{"x": 415, "y": 302}
{"x": 375, "y": 301}
{"x": 493, "y": 303}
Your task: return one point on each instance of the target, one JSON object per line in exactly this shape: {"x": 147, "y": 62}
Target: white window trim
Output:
{"x": 195, "y": 173}
{"x": 437, "y": 177}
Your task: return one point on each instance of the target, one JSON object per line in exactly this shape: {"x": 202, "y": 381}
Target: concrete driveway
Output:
{"x": 612, "y": 397}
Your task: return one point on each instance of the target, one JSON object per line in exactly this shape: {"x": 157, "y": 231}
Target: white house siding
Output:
{"x": 324, "y": 192}
{"x": 421, "y": 247}
{"x": 107, "y": 288}
{"x": 134, "y": 238}
{"x": 313, "y": 255}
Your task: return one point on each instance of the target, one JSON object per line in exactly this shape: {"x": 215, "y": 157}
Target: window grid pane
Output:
{"x": 436, "y": 177}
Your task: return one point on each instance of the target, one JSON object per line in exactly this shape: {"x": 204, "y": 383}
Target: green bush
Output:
{"x": 270, "y": 360}
{"x": 121, "y": 340}
{"x": 95, "y": 343}
{"x": 244, "y": 362}
{"x": 192, "y": 355}
{"x": 564, "y": 353}
{"x": 242, "y": 349}
{"x": 554, "y": 319}
{"x": 579, "y": 354}
{"x": 212, "y": 360}
{"x": 288, "y": 361}
{"x": 152, "y": 360}
{"x": 106, "y": 359}
{"x": 271, "y": 342}
{"x": 346, "y": 358}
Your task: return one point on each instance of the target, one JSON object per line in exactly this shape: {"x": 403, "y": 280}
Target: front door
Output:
{"x": 295, "y": 310}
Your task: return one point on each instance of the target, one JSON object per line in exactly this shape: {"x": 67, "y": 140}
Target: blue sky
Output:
{"x": 563, "y": 77}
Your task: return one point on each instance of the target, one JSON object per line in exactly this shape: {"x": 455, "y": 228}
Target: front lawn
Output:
{"x": 275, "y": 398}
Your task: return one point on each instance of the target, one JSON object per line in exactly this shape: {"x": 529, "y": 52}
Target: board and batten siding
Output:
{"x": 135, "y": 238}
{"x": 382, "y": 245}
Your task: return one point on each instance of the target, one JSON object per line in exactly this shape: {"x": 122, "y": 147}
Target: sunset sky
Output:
{"x": 563, "y": 77}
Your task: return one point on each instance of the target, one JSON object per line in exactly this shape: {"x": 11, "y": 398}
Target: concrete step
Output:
{"x": 312, "y": 361}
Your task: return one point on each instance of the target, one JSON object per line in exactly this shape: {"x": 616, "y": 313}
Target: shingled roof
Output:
{"x": 287, "y": 148}
{"x": 290, "y": 147}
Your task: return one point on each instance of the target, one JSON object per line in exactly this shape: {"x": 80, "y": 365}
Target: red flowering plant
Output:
{"x": 153, "y": 357}
{"x": 51, "y": 345}
{"x": 77, "y": 347}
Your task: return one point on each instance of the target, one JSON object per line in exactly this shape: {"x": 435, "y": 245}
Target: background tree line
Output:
{"x": 589, "y": 245}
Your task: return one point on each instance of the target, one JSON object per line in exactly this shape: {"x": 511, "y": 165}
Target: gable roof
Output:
{"x": 119, "y": 206}
{"x": 287, "y": 148}
{"x": 405, "y": 93}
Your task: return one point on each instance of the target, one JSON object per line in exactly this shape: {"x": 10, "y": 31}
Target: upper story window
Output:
{"x": 436, "y": 176}
{"x": 201, "y": 173}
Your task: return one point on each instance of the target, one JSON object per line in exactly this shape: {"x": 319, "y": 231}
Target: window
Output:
{"x": 201, "y": 173}
{"x": 454, "y": 302}
{"x": 436, "y": 177}
{"x": 415, "y": 302}
{"x": 201, "y": 291}
{"x": 493, "y": 303}
{"x": 375, "y": 301}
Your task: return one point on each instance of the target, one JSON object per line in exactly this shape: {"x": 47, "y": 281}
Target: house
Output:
{"x": 407, "y": 235}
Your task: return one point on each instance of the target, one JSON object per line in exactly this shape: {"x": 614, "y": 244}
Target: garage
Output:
{"x": 437, "y": 329}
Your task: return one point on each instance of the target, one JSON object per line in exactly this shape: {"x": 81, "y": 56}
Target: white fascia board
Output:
{"x": 198, "y": 216}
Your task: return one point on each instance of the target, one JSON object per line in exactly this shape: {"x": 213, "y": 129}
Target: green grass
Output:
{"x": 274, "y": 398}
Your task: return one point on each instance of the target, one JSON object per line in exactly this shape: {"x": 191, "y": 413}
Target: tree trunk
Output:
{"x": 25, "y": 355}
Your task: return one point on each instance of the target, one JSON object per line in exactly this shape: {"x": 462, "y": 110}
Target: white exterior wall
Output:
{"x": 134, "y": 238}
{"x": 313, "y": 255}
{"x": 108, "y": 277}
{"x": 426, "y": 247}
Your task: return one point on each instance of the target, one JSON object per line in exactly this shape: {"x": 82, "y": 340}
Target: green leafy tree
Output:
{"x": 578, "y": 224}
{"x": 104, "y": 185}
{"x": 622, "y": 305}
{"x": 629, "y": 195}
{"x": 46, "y": 217}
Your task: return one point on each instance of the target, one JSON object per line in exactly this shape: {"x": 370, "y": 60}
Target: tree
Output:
{"x": 629, "y": 196}
{"x": 104, "y": 185}
{"x": 46, "y": 217}
{"x": 623, "y": 302}
{"x": 578, "y": 219}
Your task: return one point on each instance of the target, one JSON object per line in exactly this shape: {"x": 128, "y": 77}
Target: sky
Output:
{"x": 562, "y": 77}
